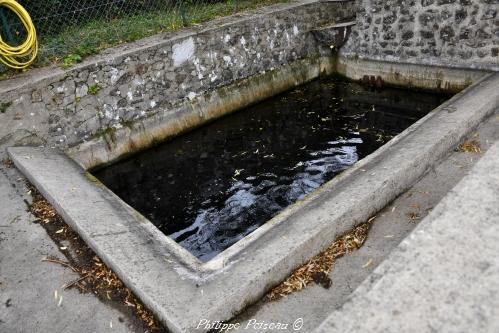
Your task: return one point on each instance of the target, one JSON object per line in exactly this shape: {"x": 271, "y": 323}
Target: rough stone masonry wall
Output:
{"x": 455, "y": 33}
{"x": 67, "y": 107}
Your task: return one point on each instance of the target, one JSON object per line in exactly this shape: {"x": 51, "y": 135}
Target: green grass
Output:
{"x": 4, "y": 106}
{"x": 94, "y": 89}
{"x": 75, "y": 43}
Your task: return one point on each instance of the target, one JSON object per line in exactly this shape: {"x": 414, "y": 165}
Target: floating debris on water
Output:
{"x": 303, "y": 138}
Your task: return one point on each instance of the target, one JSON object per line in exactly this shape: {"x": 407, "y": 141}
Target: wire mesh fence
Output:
{"x": 79, "y": 28}
{"x": 50, "y": 16}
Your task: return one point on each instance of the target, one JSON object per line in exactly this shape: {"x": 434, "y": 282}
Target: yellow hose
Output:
{"x": 23, "y": 55}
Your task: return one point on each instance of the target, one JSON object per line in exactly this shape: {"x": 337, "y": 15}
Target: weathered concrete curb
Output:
{"x": 407, "y": 75}
{"x": 181, "y": 290}
{"x": 444, "y": 276}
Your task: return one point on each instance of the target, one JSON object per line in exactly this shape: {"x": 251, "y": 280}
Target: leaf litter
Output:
{"x": 95, "y": 276}
{"x": 471, "y": 146}
{"x": 318, "y": 268}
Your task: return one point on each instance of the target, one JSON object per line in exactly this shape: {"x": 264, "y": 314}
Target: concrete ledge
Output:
{"x": 444, "y": 276}
{"x": 408, "y": 75}
{"x": 181, "y": 290}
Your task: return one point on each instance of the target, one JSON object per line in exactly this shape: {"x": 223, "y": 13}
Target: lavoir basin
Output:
{"x": 211, "y": 187}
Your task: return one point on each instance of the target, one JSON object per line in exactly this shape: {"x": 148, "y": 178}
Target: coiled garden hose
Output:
{"x": 21, "y": 56}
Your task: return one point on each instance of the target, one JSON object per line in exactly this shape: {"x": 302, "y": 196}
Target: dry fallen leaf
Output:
{"x": 472, "y": 146}
{"x": 413, "y": 216}
{"x": 8, "y": 163}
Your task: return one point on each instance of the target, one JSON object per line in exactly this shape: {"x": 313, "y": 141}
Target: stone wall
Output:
{"x": 454, "y": 33}
{"x": 65, "y": 108}
{"x": 154, "y": 80}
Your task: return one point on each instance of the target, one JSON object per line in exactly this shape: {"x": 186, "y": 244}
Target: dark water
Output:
{"x": 211, "y": 187}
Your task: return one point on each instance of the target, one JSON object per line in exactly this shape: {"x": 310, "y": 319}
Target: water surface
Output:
{"x": 213, "y": 186}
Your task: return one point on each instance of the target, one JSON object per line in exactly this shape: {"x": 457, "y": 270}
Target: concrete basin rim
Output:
{"x": 204, "y": 271}
{"x": 224, "y": 308}
{"x": 228, "y": 255}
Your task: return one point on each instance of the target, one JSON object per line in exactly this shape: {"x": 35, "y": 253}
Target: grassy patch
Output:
{"x": 4, "y": 106}
{"x": 70, "y": 60}
{"x": 94, "y": 89}
{"x": 75, "y": 43}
